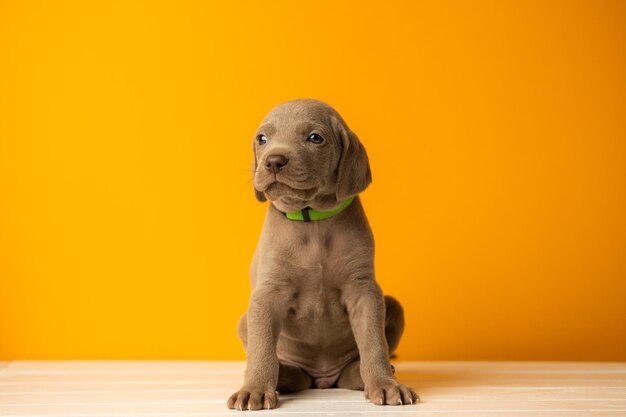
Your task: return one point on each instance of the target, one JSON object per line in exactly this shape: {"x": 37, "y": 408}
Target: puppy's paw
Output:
{"x": 390, "y": 392}
{"x": 253, "y": 399}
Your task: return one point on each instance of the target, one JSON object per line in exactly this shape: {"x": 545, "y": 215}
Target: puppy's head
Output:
{"x": 306, "y": 156}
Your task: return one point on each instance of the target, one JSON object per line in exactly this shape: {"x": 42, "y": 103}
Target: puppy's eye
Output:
{"x": 261, "y": 139}
{"x": 315, "y": 138}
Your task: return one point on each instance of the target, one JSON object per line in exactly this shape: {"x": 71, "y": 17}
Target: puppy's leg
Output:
{"x": 394, "y": 323}
{"x": 394, "y": 326}
{"x": 242, "y": 331}
{"x": 351, "y": 377}
{"x": 292, "y": 379}
{"x": 366, "y": 311}
{"x": 263, "y": 322}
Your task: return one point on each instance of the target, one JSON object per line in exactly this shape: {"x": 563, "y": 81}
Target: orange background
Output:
{"x": 496, "y": 133}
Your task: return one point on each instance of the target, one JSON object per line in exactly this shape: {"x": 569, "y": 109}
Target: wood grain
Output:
{"x": 200, "y": 388}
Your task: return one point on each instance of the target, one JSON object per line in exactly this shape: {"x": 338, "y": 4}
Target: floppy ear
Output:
{"x": 353, "y": 171}
{"x": 258, "y": 194}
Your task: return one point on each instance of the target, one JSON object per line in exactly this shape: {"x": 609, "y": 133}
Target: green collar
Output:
{"x": 308, "y": 214}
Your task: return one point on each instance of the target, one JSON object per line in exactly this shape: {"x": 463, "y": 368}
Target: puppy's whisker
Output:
{"x": 246, "y": 184}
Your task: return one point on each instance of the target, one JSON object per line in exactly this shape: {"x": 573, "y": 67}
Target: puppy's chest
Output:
{"x": 317, "y": 281}
{"x": 316, "y": 301}
{"x": 314, "y": 264}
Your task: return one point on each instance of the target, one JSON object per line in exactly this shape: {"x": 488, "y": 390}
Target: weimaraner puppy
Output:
{"x": 316, "y": 318}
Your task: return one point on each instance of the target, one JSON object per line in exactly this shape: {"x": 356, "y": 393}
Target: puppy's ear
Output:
{"x": 258, "y": 194}
{"x": 353, "y": 171}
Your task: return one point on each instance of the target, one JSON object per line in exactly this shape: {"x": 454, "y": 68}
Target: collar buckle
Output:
{"x": 306, "y": 217}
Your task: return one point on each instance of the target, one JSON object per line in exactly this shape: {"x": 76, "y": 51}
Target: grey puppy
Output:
{"x": 317, "y": 317}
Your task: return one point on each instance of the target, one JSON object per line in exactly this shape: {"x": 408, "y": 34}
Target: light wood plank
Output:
{"x": 190, "y": 388}
{"x": 504, "y": 394}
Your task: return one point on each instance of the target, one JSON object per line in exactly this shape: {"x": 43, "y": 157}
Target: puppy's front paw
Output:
{"x": 390, "y": 392}
{"x": 253, "y": 399}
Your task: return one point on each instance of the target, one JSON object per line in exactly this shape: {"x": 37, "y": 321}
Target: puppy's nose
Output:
{"x": 275, "y": 163}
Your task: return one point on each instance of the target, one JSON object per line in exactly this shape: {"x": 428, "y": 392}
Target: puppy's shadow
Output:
{"x": 425, "y": 379}
{"x": 448, "y": 375}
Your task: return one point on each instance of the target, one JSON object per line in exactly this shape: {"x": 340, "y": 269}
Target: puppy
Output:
{"x": 316, "y": 318}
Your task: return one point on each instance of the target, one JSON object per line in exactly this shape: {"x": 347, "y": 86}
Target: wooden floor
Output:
{"x": 189, "y": 388}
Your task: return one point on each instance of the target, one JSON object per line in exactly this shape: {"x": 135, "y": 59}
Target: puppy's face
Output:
{"x": 305, "y": 156}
